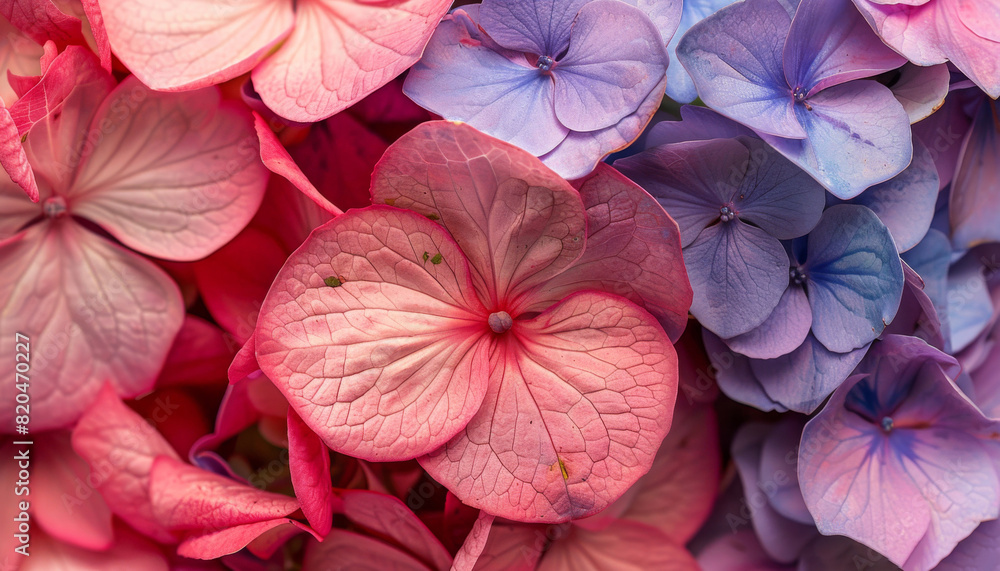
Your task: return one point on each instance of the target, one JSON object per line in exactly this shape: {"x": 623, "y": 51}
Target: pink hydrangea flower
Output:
{"x": 493, "y": 322}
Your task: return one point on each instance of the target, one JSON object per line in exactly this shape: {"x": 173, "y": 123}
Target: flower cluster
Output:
{"x": 535, "y": 285}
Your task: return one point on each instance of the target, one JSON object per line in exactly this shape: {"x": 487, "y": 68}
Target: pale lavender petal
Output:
{"x": 680, "y": 87}
{"x": 921, "y": 90}
{"x": 540, "y": 27}
{"x": 696, "y": 124}
{"x": 782, "y": 332}
{"x": 735, "y": 377}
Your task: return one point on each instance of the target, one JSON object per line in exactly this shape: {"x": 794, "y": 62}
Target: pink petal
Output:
{"x": 42, "y": 20}
{"x": 387, "y": 516}
{"x": 626, "y": 546}
{"x": 94, "y": 311}
{"x": 309, "y": 464}
{"x": 633, "y": 250}
{"x": 677, "y": 494}
{"x": 474, "y": 544}
{"x": 185, "y": 44}
{"x": 120, "y": 447}
{"x": 374, "y": 334}
{"x": 16, "y": 210}
{"x": 340, "y": 52}
{"x": 201, "y": 354}
{"x": 234, "y": 280}
{"x": 514, "y": 547}
{"x": 354, "y": 551}
{"x": 20, "y": 55}
{"x": 595, "y": 377}
{"x": 218, "y": 542}
{"x": 519, "y": 223}
{"x": 62, "y": 501}
{"x": 13, "y": 158}
{"x": 188, "y": 498}
{"x": 176, "y": 177}
{"x": 93, "y": 12}
{"x": 130, "y": 551}
{"x": 277, "y": 159}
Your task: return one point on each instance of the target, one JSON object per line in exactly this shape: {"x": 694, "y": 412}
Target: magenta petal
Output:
{"x": 615, "y": 58}
{"x": 13, "y": 158}
{"x": 373, "y": 332}
{"x": 633, "y": 250}
{"x": 169, "y": 49}
{"x": 627, "y": 545}
{"x": 177, "y": 177}
{"x": 355, "y": 551}
{"x": 277, "y": 160}
{"x": 42, "y": 20}
{"x": 201, "y": 354}
{"x": 120, "y": 447}
{"x": 309, "y": 464}
{"x": 339, "y": 52}
{"x": 738, "y": 273}
{"x": 593, "y": 427}
{"x": 518, "y": 223}
{"x": 468, "y": 555}
{"x": 387, "y": 516}
{"x": 463, "y": 77}
{"x": 112, "y": 313}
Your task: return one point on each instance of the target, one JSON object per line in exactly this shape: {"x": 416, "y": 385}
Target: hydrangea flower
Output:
{"x": 308, "y": 59}
{"x": 490, "y": 323}
{"x": 927, "y": 32}
{"x": 733, "y": 200}
{"x": 172, "y": 176}
{"x": 899, "y": 459}
{"x": 794, "y": 76}
{"x": 569, "y": 82}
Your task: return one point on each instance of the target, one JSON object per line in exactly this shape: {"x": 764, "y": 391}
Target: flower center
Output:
{"x": 54, "y": 207}
{"x": 797, "y": 276}
{"x": 545, "y": 63}
{"x": 726, "y": 213}
{"x": 887, "y": 424}
{"x": 799, "y": 94}
{"x": 500, "y": 321}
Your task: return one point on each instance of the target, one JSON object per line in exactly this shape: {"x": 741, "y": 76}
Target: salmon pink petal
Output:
{"x": 62, "y": 503}
{"x": 178, "y": 175}
{"x": 633, "y": 250}
{"x": 120, "y": 447}
{"x": 387, "y": 516}
{"x": 107, "y": 314}
{"x": 355, "y": 551}
{"x": 186, "y": 44}
{"x": 261, "y": 538}
{"x": 339, "y": 52}
{"x": 373, "y": 332}
{"x": 309, "y": 464}
{"x": 518, "y": 222}
{"x": 20, "y": 56}
{"x": 42, "y": 20}
{"x": 579, "y": 400}
{"x": 627, "y": 545}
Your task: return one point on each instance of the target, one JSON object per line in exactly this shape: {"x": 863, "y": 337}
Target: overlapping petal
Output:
{"x": 972, "y": 206}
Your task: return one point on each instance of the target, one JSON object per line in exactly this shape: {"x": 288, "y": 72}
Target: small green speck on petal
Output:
{"x": 333, "y": 281}
{"x": 426, "y": 256}
{"x": 437, "y": 259}
{"x": 433, "y": 216}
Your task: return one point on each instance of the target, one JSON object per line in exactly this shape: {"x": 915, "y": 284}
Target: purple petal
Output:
{"x": 738, "y": 273}
{"x": 858, "y": 136}
{"x": 973, "y": 206}
{"x": 782, "y": 538}
{"x": 735, "y": 378}
{"x": 782, "y": 332}
{"x": 780, "y": 452}
{"x": 776, "y": 195}
{"x": 969, "y": 304}
{"x": 855, "y": 277}
{"x": 734, "y": 58}
{"x": 930, "y": 260}
{"x": 540, "y": 27}
{"x": 981, "y": 550}
{"x": 680, "y": 87}
{"x": 462, "y": 78}
{"x": 615, "y": 58}
{"x": 829, "y": 43}
{"x": 666, "y": 16}
{"x": 696, "y": 124}
{"x": 906, "y": 202}
{"x": 921, "y": 90}
{"x": 689, "y": 179}
{"x": 802, "y": 379}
